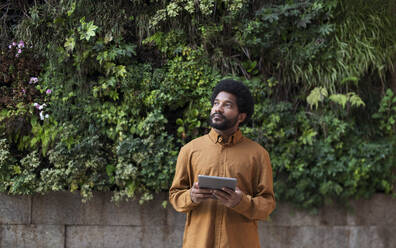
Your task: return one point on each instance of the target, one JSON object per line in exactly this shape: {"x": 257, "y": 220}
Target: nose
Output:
{"x": 218, "y": 108}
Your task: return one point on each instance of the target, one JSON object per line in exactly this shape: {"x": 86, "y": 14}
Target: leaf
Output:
{"x": 179, "y": 122}
{"x": 121, "y": 71}
{"x": 87, "y": 30}
{"x": 339, "y": 99}
{"x": 317, "y": 95}
{"x": 70, "y": 44}
{"x": 71, "y": 10}
{"x": 355, "y": 100}
{"x": 350, "y": 79}
{"x": 180, "y": 130}
{"x": 110, "y": 169}
{"x": 17, "y": 169}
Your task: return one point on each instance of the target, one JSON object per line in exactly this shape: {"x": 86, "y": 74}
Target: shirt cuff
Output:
{"x": 243, "y": 205}
{"x": 189, "y": 202}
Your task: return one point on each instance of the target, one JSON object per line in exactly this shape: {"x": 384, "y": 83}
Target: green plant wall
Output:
{"x": 103, "y": 94}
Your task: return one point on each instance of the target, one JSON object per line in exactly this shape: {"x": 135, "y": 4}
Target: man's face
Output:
{"x": 225, "y": 114}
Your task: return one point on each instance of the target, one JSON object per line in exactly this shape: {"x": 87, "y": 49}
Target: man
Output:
{"x": 224, "y": 218}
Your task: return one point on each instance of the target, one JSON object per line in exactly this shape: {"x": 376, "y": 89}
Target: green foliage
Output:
{"x": 387, "y": 114}
{"x": 129, "y": 83}
{"x": 317, "y": 95}
{"x": 319, "y": 157}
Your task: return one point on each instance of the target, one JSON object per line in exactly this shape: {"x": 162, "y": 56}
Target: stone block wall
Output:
{"x": 60, "y": 219}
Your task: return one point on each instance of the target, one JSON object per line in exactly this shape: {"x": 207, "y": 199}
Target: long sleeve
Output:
{"x": 179, "y": 192}
{"x": 259, "y": 206}
{"x": 210, "y": 223}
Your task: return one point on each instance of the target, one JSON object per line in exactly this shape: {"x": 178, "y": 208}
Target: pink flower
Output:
{"x": 19, "y": 50}
{"x": 24, "y": 91}
{"x": 10, "y": 46}
{"x": 21, "y": 44}
{"x": 36, "y": 105}
{"x": 49, "y": 91}
{"x": 14, "y": 43}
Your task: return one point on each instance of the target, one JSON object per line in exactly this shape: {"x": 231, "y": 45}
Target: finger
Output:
{"x": 221, "y": 195}
{"x": 228, "y": 190}
{"x": 204, "y": 191}
{"x": 202, "y": 196}
{"x": 225, "y": 193}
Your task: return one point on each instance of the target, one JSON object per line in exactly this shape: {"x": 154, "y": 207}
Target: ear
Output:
{"x": 241, "y": 117}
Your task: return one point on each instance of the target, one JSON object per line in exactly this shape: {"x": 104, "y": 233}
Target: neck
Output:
{"x": 226, "y": 133}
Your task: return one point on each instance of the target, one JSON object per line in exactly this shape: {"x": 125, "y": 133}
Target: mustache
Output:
{"x": 217, "y": 114}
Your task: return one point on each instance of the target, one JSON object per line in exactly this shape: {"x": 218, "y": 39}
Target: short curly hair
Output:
{"x": 244, "y": 98}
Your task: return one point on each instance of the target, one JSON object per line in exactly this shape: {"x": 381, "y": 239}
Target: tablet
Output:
{"x": 212, "y": 182}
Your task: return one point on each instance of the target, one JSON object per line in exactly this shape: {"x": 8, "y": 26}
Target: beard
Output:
{"x": 225, "y": 124}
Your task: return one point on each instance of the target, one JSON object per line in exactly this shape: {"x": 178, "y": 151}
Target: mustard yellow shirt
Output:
{"x": 209, "y": 223}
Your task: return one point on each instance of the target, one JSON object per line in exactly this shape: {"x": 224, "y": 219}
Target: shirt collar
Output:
{"x": 232, "y": 140}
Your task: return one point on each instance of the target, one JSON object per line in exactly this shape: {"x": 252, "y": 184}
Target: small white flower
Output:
{"x": 46, "y": 116}
{"x": 41, "y": 115}
{"x": 33, "y": 80}
{"x": 42, "y": 106}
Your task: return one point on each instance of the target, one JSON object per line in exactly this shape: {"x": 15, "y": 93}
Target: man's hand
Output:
{"x": 228, "y": 197}
{"x": 198, "y": 195}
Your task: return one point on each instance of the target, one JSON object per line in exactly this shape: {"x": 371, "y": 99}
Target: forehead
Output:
{"x": 225, "y": 97}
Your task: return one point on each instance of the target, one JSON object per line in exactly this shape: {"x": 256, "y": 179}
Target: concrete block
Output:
{"x": 175, "y": 218}
{"x": 122, "y": 236}
{"x": 173, "y": 236}
{"x": 67, "y": 208}
{"x": 366, "y": 237}
{"x": 387, "y": 235}
{"x": 379, "y": 210}
{"x": 153, "y": 213}
{"x": 271, "y": 236}
{"x": 14, "y": 209}
{"x": 333, "y": 215}
{"x": 303, "y": 237}
{"x": 287, "y": 215}
{"x": 32, "y": 236}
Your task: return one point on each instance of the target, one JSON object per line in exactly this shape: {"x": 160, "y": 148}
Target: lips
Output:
{"x": 217, "y": 116}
